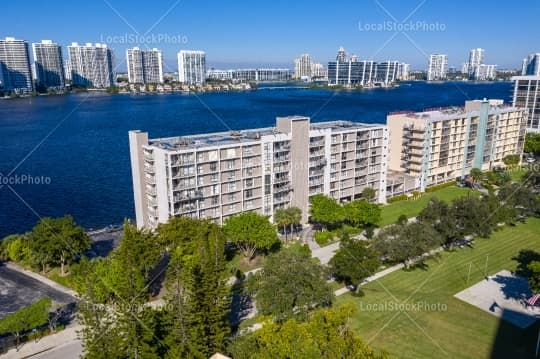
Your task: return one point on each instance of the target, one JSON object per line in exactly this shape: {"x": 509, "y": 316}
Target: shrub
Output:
{"x": 401, "y": 197}
{"x": 440, "y": 186}
{"x": 323, "y": 238}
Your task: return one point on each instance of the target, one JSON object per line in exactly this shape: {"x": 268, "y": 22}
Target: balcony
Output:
{"x": 188, "y": 196}
{"x": 150, "y": 180}
{"x": 281, "y": 179}
{"x": 318, "y": 163}
{"x": 282, "y": 148}
{"x": 281, "y": 169}
{"x": 148, "y": 157}
{"x": 281, "y": 159}
{"x": 316, "y": 143}
{"x": 282, "y": 199}
{"x": 282, "y": 188}
{"x": 151, "y": 190}
{"x": 316, "y": 182}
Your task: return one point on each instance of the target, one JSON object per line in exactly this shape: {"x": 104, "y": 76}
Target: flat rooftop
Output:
{"x": 451, "y": 112}
{"x": 247, "y": 136}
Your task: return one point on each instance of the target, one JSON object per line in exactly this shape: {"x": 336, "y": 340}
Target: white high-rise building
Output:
{"x": 437, "y": 67}
{"x": 91, "y": 65}
{"x": 476, "y": 58}
{"x": 341, "y": 55}
{"x": 318, "y": 71}
{"x": 527, "y": 95}
{"x": 15, "y": 69}
{"x": 484, "y": 72}
{"x": 48, "y": 64}
{"x": 403, "y": 71}
{"x": 144, "y": 66}
{"x": 191, "y": 67}
{"x": 531, "y": 65}
{"x": 218, "y": 175}
{"x": 302, "y": 66}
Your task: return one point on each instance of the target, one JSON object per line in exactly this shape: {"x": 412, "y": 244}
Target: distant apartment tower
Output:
{"x": 191, "y": 67}
{"x": 91, "y": 65}
{"x": 218, "y": 175}
{"x": 476, "y": 58}
{"x": 386, "y": 72}
{"x": 302, "y": 66}
{"x": 49, "y": 65}
{"x": 440, "y": 145}
{"x": 531, "y": 65}
{"x": 403, "y": 71}
{"x": 144, "y": 66}
{"x": 318, "y": 71}
{"x": 484, "y": 72}
{"x": 15, "y": 68}
{"x": 527, "y": 95}
{"x": 437, "y": 67}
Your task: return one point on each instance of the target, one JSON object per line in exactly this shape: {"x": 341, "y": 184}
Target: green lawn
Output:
{"x": 411, "y": 208}
{"x": 459, "y": 331}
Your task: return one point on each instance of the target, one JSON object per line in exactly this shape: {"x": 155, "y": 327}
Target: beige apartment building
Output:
{"x": 218, "y": 175}
{"x": 440, "y": 145}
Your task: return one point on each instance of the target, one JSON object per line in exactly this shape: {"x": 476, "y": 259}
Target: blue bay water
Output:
{"x": 80, "y": 142}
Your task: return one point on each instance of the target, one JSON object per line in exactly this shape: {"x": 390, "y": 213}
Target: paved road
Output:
{"x": 325, "y": 253}
{"x": 18, "y": 290}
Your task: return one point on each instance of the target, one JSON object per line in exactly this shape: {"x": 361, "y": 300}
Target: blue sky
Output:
{"x": 272, "y": 33}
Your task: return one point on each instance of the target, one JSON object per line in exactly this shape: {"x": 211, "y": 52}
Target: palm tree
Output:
{"x": 476, "y": 174}
{"x": 282, "y": 219}
{"x": 295, "y": 217}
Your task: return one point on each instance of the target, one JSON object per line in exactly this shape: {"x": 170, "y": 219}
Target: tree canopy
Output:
{"x": 325, "y": 210}
{"x": 251, "y": 232}
{"x": 290, "y": 284}
{"x": 26, "y": 319}
{"x": 354, "y": 261}
{"x": 327, "y": 334}
{"x": 57, "y": 241}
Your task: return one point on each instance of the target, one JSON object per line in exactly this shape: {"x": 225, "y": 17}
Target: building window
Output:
{"x": 213, "y": 166}
{"x": 249, "y": 193}
{"x": 249, "y": 204}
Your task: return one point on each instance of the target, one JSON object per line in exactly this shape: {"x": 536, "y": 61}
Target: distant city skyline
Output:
{"x": 236, "y": 35}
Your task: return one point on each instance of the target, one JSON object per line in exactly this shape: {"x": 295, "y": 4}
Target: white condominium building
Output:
{"x": 437, "y": 67}
{"x": 302, "y": 66}
{"x": 15, "y": 69}
{"x": 440, "y": 145}
{"x": 49, "y": 65}
{"x": 144, "y": 66}
{"x": 527, "y": 95}
{"x": 191, "y": 67}
{"x": 218, "y": 175}
{"x": 91, "y": 65}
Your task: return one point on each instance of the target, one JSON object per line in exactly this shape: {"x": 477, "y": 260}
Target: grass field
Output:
{"x": 411, "y": 208}
{"x": 456, "y": 329}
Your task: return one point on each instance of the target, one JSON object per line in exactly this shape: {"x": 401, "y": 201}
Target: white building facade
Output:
{"x": 191, "y": 67}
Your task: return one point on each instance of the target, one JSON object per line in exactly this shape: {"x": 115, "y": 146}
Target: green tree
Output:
{"x": 354, "y": 261}
{"x": 369, "y": 194}
{"x": 511, "y": 160}
{"x": 57, "y": 241}
{"x": 534, "y": 276}
{"x": 282, "y": 219}
{"x": 325, "y": 210}
{"x": 520, "y": 198}
{"x": 441, "y": 217}
{"x": 198, "y": 297}
{"x": 404, "y": 243}
{"x": 290, "y": 284}
{"x": 295, "y": 217}
{"x": 251, "y": 232}
{"x": 327, "y": 335}
{"x": 113, "y": 293}
{"x": 26, "y": 319}
{"x": 476, "y": 174}
{"x": 532, "y": 143}
{"x": 361, "y": 213}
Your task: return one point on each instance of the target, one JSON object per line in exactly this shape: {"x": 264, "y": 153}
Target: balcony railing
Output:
{"x": 318, "y": 163}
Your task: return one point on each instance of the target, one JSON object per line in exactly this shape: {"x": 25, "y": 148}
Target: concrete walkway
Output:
{"x": 33, "y": 348}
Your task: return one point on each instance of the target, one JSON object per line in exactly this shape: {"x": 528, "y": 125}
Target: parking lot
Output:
{"x": 18, "y": 291}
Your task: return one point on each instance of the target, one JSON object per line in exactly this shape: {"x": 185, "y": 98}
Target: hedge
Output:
{"x": 401, "y": 197}
{"x": 440, "y": 186}
{"x": 324, "y": 237}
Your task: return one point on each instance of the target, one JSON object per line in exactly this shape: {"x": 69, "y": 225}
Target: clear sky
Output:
{"x": 272, "y": 33}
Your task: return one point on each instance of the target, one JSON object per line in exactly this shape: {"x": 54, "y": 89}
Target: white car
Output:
{"x": 530, "y": 159}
